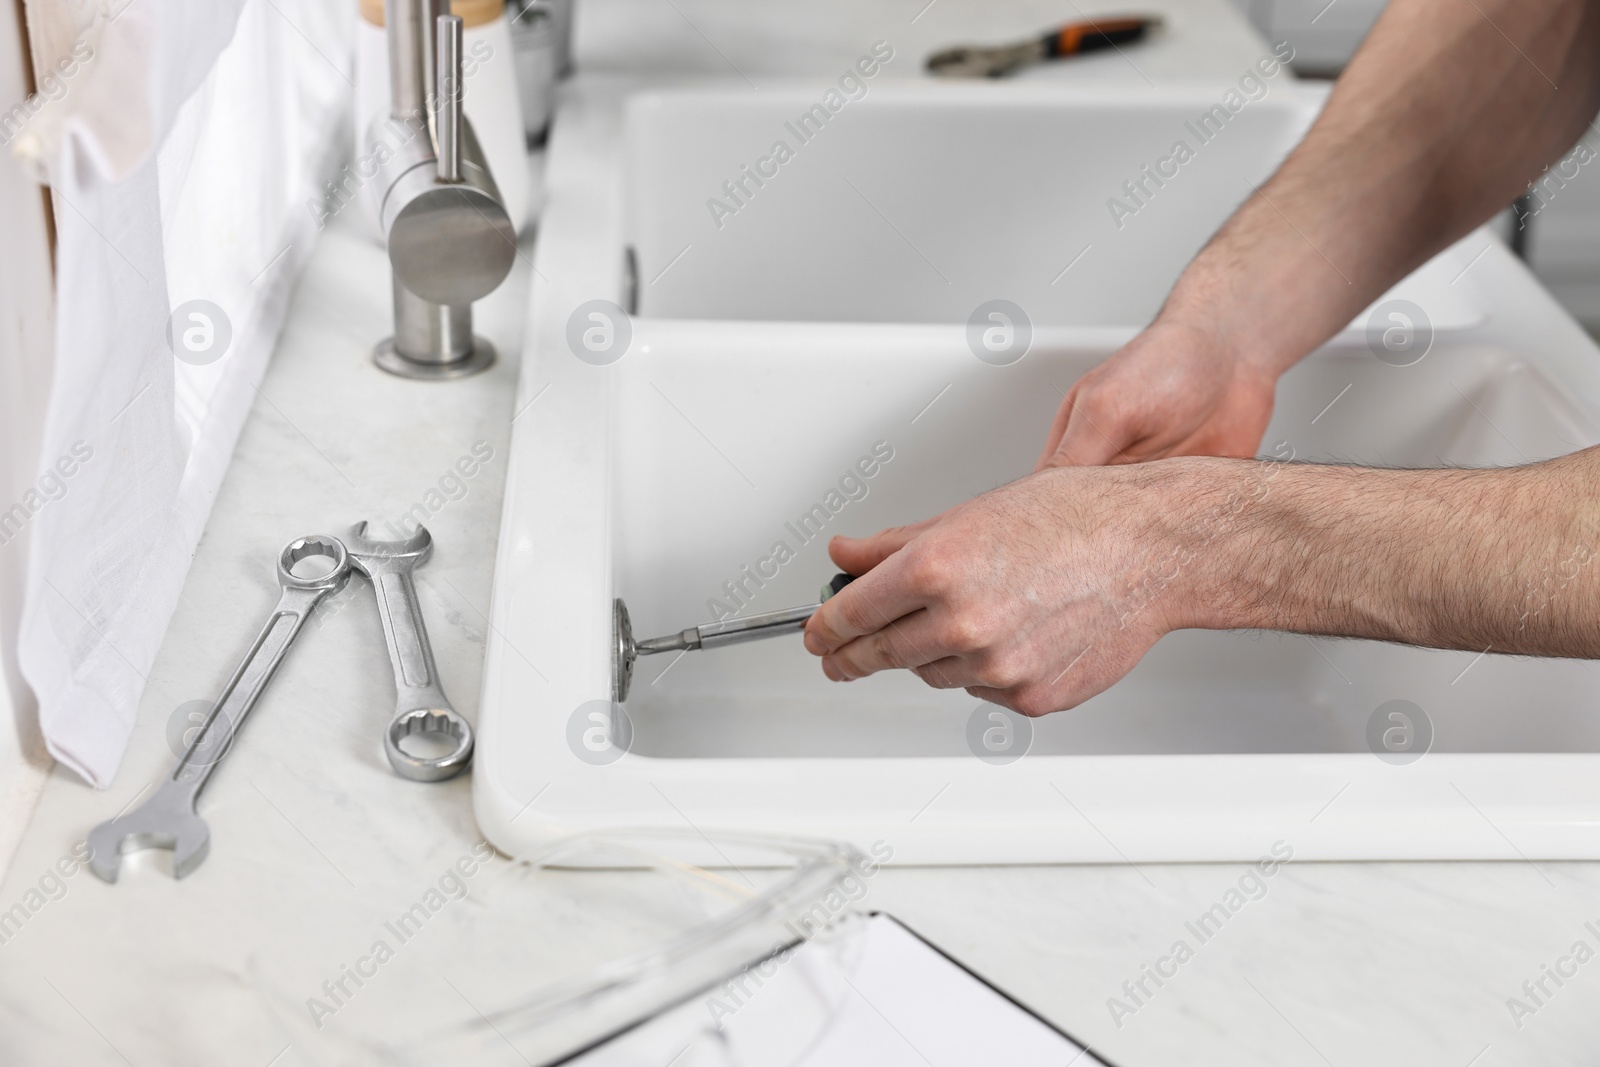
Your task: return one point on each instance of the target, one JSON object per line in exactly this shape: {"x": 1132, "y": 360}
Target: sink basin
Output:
{"x": 819, "y": 335}
{"x": 915, "y": 205}
{"x": 712, "y": 433}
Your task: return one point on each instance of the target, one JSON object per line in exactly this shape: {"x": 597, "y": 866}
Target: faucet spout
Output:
{"x": 451, "y": 241}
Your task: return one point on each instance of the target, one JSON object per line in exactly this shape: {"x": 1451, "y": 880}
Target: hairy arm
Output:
{"x": 1446, "y": 113}
{"x": 1498, "y": 559}
{"x": 1043, "y": 593}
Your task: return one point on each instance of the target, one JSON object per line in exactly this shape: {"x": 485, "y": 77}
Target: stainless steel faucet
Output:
{"x": 450, "y": 239}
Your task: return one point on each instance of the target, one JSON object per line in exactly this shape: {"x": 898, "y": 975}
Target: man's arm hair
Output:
{"x": 1504, "y": 560}
{"x": 1443, "y": 117}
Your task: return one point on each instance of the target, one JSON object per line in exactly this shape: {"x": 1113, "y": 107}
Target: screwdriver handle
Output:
{"x": 1096, "y": 34}
{"x": 838, "y": 582}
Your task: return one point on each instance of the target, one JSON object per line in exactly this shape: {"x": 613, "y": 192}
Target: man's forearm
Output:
{"x": 1442, "y": 118}
{"x": 1466, "y": 559}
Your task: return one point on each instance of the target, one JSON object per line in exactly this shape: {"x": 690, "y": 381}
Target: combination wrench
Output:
{"x": 169, "y": 818}
{"x": 420, "y": 705}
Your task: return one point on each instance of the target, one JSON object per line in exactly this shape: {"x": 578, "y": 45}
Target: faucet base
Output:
{"x": 388, "y": 357}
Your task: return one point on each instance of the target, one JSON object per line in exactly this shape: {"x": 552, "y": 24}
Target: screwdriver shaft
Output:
{"x": 737, "y": 631}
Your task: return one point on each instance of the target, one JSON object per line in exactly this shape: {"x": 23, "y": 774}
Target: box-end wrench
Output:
{"x": 421, "y": 706}
{"x": 169, "y": 819}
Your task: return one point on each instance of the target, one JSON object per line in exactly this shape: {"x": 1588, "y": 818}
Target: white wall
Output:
{"x": 1324, "y": 34}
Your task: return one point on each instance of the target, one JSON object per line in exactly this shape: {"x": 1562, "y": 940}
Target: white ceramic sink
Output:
{"x": 825, "y": 322}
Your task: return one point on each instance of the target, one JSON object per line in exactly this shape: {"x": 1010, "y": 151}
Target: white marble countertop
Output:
{"x": 316, "y": 844}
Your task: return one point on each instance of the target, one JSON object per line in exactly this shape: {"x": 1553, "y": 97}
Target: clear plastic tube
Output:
{"x": 576, "y": 1012}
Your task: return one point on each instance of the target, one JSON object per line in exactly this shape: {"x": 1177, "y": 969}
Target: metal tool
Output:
{"x": 420, "y": 706}
{"x": 981, "y": 61}
{"x": 169, "y": 819}
{"x": 711, "y": 635}
{"x": 450, "y": 238}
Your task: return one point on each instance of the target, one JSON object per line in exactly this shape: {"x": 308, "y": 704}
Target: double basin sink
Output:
{"x": 805, "y": 356}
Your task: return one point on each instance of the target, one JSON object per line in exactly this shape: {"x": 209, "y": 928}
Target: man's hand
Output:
{"x": 1035, "y": 596}
{"x": 1042, "y": 593}
{"x": 1441, "y": 119}
{"x": 1175, "y": 390}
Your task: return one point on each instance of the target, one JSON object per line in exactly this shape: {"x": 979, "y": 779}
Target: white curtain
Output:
{"x": 183, "y": 158}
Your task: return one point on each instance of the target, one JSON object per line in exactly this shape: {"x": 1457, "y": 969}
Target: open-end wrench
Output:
{"x": 420, "y": 706}
{"x": 169, "y": 819}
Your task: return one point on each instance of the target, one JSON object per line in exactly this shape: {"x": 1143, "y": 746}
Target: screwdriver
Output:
{"x": 712, "y": 635}
{"x": 737, "y": 631}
